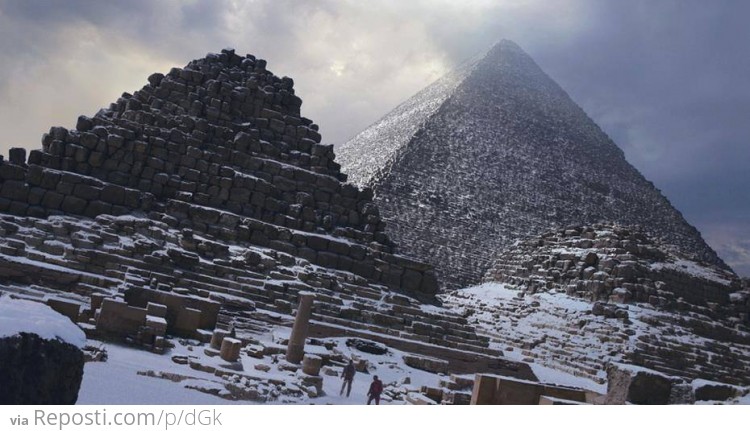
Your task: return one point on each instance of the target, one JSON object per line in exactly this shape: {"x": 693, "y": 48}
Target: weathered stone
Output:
{"x": 432, "y": 365}
{"x": 296, "y": 348}
{"x": 70, "y": 309}
{"x": 637, "y": 385}
{"x": 715, "y": 391}
{"x": 311, "y": 365}
{"x": 492, "y": 389}
{"x": 119, "y": 319}
{"x": 39, "y": 371}
{"x": 217, "y": 338}
{"x": 17, "y": 156}
{"x": 230, "y": 349}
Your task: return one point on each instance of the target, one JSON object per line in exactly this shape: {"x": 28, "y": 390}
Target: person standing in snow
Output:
{"x": 348, "y": 376}
{"x": 376, "y": 388}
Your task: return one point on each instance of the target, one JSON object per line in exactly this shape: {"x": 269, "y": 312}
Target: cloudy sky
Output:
{"x": 669, "y": 81}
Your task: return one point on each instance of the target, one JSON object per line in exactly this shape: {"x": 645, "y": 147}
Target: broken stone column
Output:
{"x": 296, "y": 349}
{"x": 311, "y": 365}
{"x": 230, "y": 349}
{"x": 217, "y": 338}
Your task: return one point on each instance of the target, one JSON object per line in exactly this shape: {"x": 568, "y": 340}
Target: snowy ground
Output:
{"x": 117, "y": 381}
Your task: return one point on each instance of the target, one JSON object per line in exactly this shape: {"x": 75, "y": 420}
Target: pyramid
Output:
{"x": 496, "y": 152}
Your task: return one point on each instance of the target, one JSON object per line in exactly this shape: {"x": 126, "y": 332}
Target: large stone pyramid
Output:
{"x": 495, "y": 152}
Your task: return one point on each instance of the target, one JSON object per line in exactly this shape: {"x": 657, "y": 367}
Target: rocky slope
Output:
{"x": 494, "y": 152}
{"x": 580, "y": 298}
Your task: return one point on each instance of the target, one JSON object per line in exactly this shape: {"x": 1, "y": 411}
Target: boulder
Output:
{"x": 367, "y": 346}
{"x": 706, "y": 390}
{"x": 41, "y": 356}
{"x": 637, "y": 385}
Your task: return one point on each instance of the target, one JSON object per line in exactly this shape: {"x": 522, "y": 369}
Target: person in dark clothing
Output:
{"x": 348, "y": 376}
{"x": 376, "y": 388}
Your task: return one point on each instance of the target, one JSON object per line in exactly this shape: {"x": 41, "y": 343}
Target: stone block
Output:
{"x": 96, "y": 301}
{"x": 187, "y": 322}
{"x": 118, "y": 318}
{"x": 74, "y": 205}
{"x": 175, "y": 303}
{"x": 12, "y": 172}
{"x": 230, "y": 349}
{"x": 500, "y": 390}
{"x": 415, "y": 398}
{"x": 65, "y": 307}
{"x": 637, "y": 385}
{"x": 706, "y": 390}
{"x": 17, "y": 156}
{"x": 156, "y": 309}
{"x": 425, "y": 363}
{"x": 311, "y": 365}
{"x": 15, "y": 190}
{"x": 157, "y": 324}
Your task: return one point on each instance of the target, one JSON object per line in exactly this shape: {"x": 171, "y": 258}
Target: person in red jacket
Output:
{"x": 376, "y": 388}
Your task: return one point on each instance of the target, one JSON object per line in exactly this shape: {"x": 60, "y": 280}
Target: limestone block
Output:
{"x": 637, "y": 385}
{"x": 65, "y": 307}
{"x": 361, "y": 365}
{"x": 432, "y": 365}
{"x": 311, "y": 365}
{"x": 415, "y": 398}
{"x": 230, "y": 349}
{"x": 176, "y": 303}
{"x": 494, "y": 389}
{"x": 187, "y": 322}
{"x": 484, "y": 390}
{"x": 118, "y": 318}
{"x": 158, "y": 310}
{"x": 17, "y": 156}
{"x": 157, "y": 324}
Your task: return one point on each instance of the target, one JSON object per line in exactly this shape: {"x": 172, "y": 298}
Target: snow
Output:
{"x": 116, "y": 381}
{"x": 17, "y": 316}
{"x": 30, "y": 262}
{"x": 694, "y": 269}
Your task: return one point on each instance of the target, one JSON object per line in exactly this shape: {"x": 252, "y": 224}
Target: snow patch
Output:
{"x": 17, "y": 316}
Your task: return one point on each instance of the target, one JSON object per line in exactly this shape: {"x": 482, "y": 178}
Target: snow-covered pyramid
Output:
{"x": 494, "y": 152}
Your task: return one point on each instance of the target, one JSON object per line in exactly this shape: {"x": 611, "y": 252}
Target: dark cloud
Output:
{"x": 667, "y": 80}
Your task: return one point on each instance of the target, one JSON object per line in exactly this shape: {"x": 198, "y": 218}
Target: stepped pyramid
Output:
{"x": 494, "y": 152}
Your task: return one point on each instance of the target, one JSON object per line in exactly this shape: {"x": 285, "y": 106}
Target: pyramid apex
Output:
{"x": 505, "y": 46}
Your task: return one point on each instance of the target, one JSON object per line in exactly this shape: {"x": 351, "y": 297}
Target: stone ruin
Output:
{"x": 648, "y": 306}
{"x": 205, "y": 201}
